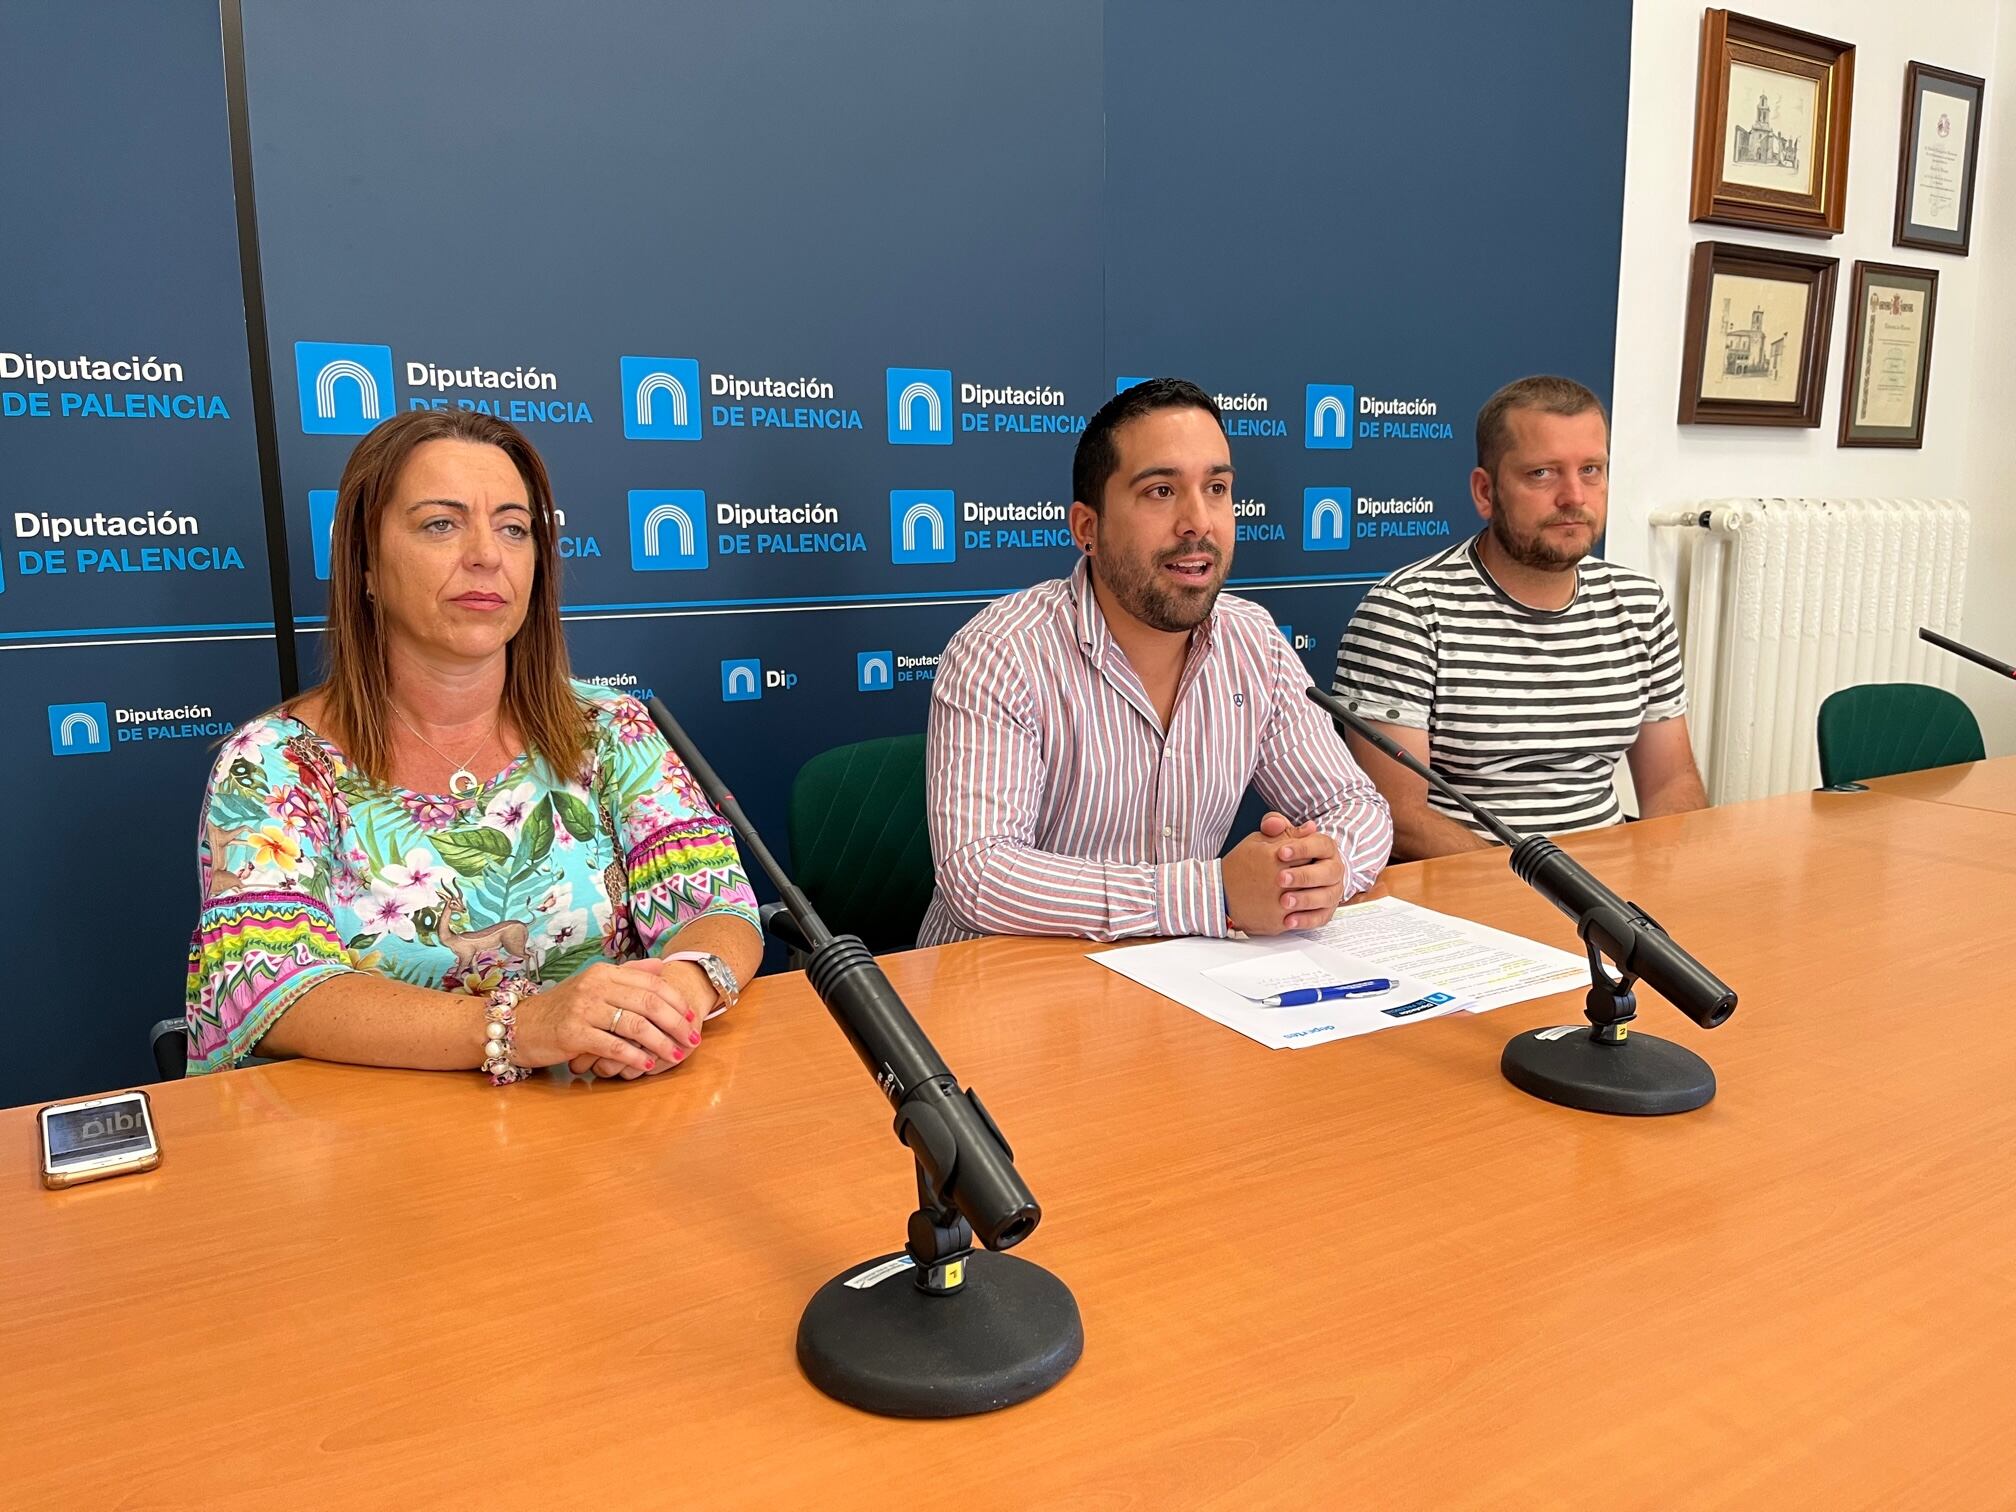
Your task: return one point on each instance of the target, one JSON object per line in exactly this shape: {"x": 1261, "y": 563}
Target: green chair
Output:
{"x": 1881, "y": 729}
{"x": 859, "y": 846}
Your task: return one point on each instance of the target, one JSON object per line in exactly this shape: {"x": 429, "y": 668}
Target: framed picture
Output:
{"x": 1889, "y": 355}
{"x": 1755, "y": 351}
{"x": 1771, "y": 127}
{"x": 1935, "y": 164}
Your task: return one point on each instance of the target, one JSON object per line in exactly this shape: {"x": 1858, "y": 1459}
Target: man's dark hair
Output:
{"x": 1544, "y": 392}
{"x": 1093, "y": 465}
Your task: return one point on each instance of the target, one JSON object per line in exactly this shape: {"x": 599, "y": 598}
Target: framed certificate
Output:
{"x": 1935, "y": 167}
{"x": 1889, "y": 355}
{"x": 1771, "y": 113}
{"x": 1758, "y": 322}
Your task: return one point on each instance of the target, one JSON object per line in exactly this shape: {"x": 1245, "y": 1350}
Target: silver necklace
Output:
{"x": 462, "y": 782}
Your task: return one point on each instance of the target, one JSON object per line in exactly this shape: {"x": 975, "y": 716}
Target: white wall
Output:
{"x": 1990, "y": 473}
{"x": 1657, "y": 462}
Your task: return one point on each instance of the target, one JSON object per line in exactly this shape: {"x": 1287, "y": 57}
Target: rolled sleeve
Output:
{"x": 1386, "y": 661}
{"x": 1666, "y": 687}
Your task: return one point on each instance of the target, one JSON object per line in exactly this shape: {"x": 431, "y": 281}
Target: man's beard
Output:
{"x": 1144, "y": 592}
{"x": 1537, "y": 551}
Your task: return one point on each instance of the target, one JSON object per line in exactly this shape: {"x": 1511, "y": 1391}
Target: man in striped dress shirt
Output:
{"x": 1520, "y": 666}
{"x": 1092, "y": 737}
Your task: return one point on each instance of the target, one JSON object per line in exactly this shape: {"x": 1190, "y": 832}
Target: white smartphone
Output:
{"x": 105, "y": 1136}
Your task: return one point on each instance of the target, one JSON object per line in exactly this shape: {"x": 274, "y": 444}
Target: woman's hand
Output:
{"x": 695, "y": 991}
{"x": 627, "y": 1019}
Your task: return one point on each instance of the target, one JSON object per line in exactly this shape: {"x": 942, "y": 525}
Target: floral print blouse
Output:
{"x": 309, "y": 870}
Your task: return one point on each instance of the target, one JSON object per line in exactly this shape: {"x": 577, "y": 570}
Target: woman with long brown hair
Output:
{"x": 450, "y": 854}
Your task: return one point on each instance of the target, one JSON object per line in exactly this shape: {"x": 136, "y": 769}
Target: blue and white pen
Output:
{"x": 1302, "y": 996}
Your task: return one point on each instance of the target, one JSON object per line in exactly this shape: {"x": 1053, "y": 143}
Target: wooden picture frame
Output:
{"x": 1742, "y": 366}
{"x": 1771, "y": 113}
{"x": 1935, "y": 176}
{"x": 1888, "y": 364}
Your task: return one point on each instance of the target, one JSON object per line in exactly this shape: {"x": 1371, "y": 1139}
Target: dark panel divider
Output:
{"x": 232, "y": 13}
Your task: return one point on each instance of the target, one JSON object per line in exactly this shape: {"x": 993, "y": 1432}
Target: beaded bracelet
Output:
{"x": 501, "y": 1016}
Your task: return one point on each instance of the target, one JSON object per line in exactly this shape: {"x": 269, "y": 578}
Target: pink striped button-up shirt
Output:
{"x": 1059, "y": 805}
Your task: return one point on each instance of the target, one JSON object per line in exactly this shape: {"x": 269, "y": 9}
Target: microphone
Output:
{"x": 1622, "y": 931}
{"x": 1608, "y": 926}
{"x": 955, "y": 1141}
{"x": 1979, "y": 658}
{"x": 868, "y": 1352}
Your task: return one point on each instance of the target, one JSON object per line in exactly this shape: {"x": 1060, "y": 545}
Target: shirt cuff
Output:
{"x": 1384, "y": 708}
{"x": 1190, "y": 900}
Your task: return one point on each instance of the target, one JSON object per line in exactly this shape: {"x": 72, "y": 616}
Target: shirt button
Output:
{"x": 1392, "y": 713}
{"x": 1167, "y": 831}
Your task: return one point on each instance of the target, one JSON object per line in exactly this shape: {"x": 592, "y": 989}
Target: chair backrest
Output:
{"x": 859, "y": 846}
{"x": 1881, "y": 729}
{"x": 169, "y": 1040}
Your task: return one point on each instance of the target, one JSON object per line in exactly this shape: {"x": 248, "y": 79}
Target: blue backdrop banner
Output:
{"x": 135, "y": 615}
{"x": 805, "y": 306}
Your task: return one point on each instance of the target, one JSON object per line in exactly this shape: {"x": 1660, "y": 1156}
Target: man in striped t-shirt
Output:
{"x": 1091, "y": 737}
{"x": 1515, "y": 663}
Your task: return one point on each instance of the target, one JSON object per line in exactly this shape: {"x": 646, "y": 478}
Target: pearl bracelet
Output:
{"x": 501, "y": 1016}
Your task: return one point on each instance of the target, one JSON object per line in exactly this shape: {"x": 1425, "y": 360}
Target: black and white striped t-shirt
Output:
{"x": 1527, "y": 710}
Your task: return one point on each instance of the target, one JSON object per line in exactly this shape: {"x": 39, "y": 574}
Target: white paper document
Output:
{"x": 1225, "y": 980}
{"x": 1280, "y": 972}
{"x": 1436, "y": 964}
{"x": 1486, "y": 966}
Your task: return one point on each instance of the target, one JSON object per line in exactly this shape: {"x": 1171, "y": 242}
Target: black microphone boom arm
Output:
{"x": 1609, "y": 1069}
{"x": 918, "y": 1350}
{"x": 964, "y": 1162}
{"x": 1622, "y": 931}
{"x": 1979, "y": 658}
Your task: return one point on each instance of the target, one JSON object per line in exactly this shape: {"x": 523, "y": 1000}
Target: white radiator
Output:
{"x": 1782, "y": 601}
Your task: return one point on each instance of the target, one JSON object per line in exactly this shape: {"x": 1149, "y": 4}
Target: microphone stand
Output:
{"x": 1608, "y": 1069}
{"x": 1979, "y": 658}
{"x": 972, "y": 1331}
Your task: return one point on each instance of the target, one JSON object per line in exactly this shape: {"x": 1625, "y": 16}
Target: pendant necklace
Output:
{"x": 462, "y": 783}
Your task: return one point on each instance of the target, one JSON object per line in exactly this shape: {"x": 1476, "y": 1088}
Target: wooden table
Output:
{"x": 1367, "y": 1274}
{"x": 1986, "y": 785}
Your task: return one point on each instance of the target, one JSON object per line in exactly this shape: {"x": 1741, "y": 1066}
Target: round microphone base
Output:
{"x": 1639, "y": 1076}
{"x": 1010, "y": 1333}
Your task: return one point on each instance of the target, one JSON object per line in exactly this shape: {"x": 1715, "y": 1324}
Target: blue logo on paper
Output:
{"x": 661, "y": 398}
{"x": 921, "y": 527}
{"x": 920, "y": 406}
{"x": 1121, "y": 385}
{"x": 79, "y": 729}
{"x": 668, "y": 529}
{"x": 1327, "y": 411}
{"x": 1419, "y": 1005}
{"x": 874, "y": 671}
{"x": 741, "y": 680}
{"x": 321, "y": 527}
{"x": 345, "y": 389}
{"x": 1326, "y": 519}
